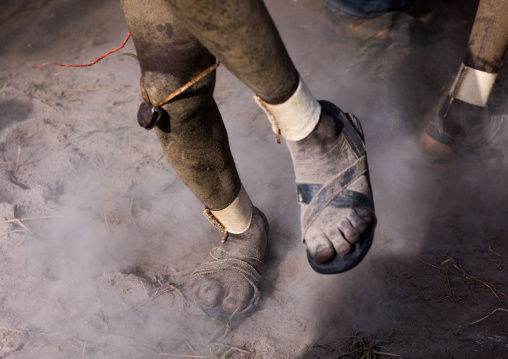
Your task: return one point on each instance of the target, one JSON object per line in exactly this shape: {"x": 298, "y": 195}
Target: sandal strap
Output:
{"x": 333, "y": 191}
{"x": 350, "y": 127}
{"x": 248, "y": 267}
{"x": 345, "y": 199}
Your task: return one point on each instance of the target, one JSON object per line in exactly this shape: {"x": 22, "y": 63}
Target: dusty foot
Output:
{"x": 317, "y": 159}
{"x": 224, "y": 289}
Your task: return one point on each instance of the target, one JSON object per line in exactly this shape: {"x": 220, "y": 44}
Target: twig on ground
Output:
{"x": 351, "y": 352}
{"x": 17, "y": 157}
{"x": 146, "y": 292}
{"x": 14, "y": 330}
{"x": 29, "y": 219}
{"x": 29, "y": 331}
{"x": 443, "y": 266}
{"x": 233, "y": 348}
{"x": 490, "y": 249}
{"x": 190, "y": 347}
{"x": 444, "y": 272}
{"x": 372, "y": 351}
{"x": 487, "y": 316}
{"x": 366, "y": 350}
{"x": 84, "y": 348}
{"x": 214, "y": 335}
{"x": 18, "y": 222}
{"x": 185, "y": 304}
{"x": 90, "y": 89}
{"x": 153, "y": 352}
{"x": 475, "y": 280}
{"x": 163, "y": 289}
{"x": 107, "y": 224}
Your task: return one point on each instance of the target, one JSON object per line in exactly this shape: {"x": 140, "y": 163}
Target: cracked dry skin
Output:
{"x": 318, "y": 158}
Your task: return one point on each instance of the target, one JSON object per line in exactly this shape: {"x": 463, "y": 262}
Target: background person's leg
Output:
{"x": 365, "y": 9}
{"x": 488, "y": 43}
{"x": 463, "y": 122}
{"x": 379, "y": 22}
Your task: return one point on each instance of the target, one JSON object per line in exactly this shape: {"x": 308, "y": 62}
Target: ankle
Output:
{"x": 295, "y": 118}
{"x": 253, "y": 241}
{"x": 319, "y": 148}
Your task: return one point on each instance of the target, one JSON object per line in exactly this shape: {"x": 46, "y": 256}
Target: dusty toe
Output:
{"x": 365, "y": 215}
{"x": 349, "y": 232}
{"x": 335, "y": 236}
{"x": 237, "y": 298}
{"x": 319, "y": 247}
{"x": 228, "y": 279}
{"x": 207, "y": 291}
{"x": 358, "y": 223}
{"x": 334, "y": 190}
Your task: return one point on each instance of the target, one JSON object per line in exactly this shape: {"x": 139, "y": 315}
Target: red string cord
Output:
{"x": 92, "y": 63}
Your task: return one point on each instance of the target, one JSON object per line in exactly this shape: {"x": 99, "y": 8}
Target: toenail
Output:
{"x": 362, "y": 227}
{"x": 343, "y": 248}
{"x": 231, "y": 306}
{"x": 353, "y": 237}
{"x": 232, "y": 302}
{"x": 324, "y": 254}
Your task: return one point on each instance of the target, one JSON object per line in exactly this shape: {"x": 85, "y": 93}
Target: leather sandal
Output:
{"x": 335, "y": 193}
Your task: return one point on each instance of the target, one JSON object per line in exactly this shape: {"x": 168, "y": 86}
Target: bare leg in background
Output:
{"x": 464, "y": 119}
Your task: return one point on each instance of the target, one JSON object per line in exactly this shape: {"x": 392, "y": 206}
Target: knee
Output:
{"x": 185, "y": 105}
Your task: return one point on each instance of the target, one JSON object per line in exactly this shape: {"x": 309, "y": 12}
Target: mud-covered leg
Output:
{"x": 242, "y": 35}
{"x": 194, "y": 139}
{"x": 464, "y": 124}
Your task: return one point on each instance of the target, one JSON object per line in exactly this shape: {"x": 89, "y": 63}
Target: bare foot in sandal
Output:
{"x": 329, "y": 158}
{"x": 334, "y": 192}
{"x": 228, "y": 280}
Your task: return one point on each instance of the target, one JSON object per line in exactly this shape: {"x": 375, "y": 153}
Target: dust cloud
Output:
{"x": 98, "y": 265}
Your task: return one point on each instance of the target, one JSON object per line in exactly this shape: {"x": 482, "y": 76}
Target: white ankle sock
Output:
{"x": 295, "y": 118}
{"x": 473, "y": 86}
{"x": 236, "y": 217}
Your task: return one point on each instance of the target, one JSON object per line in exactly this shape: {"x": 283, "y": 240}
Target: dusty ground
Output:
{"x": 98, "y": 234}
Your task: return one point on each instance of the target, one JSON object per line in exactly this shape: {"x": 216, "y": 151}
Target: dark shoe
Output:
{"x": 462, "y": 129}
